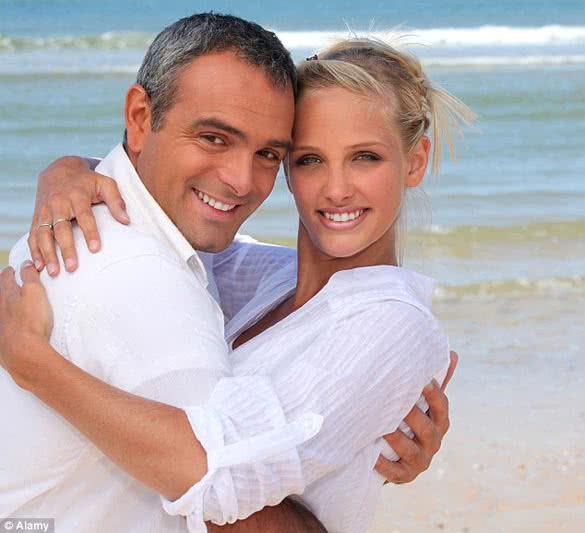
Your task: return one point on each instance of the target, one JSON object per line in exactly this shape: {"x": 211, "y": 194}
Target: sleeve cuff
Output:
{"x": 270, "y": 445}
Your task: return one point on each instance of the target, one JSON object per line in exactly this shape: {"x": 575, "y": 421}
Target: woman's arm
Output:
{"x": 152, "y": 441}
{"x": 67, "y": 189}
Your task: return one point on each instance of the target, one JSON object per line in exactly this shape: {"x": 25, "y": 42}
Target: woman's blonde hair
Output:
{"x": 372, "y": 66}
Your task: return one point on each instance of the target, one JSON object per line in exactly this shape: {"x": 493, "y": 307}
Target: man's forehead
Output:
{"x": 224, "y": 80}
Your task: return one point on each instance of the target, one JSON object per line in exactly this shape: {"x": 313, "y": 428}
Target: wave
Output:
{"x": 500, "y": 61}
{"x": 103, "y": 41}
{"x": 511, "y": 288}
{"x": 471, "y": 62}
{"x": 492, "y": 36}
{"x": 572, "y": 230}
{"x": 452, "y": 37}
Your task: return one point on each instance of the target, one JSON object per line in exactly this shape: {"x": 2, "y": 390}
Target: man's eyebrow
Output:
{"x": 279, "y": 143}
{"x": 219, "y": 124}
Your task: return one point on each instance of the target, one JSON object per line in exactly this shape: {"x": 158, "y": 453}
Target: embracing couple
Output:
{"x": 247, "y": 384}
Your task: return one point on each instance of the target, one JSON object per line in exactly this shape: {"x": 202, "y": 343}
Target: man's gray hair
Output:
{"x": 204, "y": 33}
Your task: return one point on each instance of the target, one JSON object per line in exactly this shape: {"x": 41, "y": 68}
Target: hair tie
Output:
{"x": 312, "y": 58}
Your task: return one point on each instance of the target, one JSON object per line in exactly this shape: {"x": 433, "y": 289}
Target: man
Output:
{"x": 210, "y": 117}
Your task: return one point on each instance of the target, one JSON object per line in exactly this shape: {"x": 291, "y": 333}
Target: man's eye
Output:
{"x": 271, "y": 156}
{"x": 308, "y": 160}
{"x": 214, "y": 139}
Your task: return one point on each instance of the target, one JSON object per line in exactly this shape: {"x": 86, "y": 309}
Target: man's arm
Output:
{"x": 429, "y": 430}
{"x": 137, "y": 338}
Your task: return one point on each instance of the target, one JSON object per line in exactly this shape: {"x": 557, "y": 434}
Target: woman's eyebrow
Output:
{"x": 352, "y": 147}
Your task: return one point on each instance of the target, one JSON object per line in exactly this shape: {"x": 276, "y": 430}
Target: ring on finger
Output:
{"x": 45, "y": 225}
{"x": 59, "y": 220}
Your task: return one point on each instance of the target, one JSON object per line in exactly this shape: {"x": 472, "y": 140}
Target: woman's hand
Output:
{"x": 429, "y": 430}
{"x": 66, "y": 190}
{"x": 26, "y": 322}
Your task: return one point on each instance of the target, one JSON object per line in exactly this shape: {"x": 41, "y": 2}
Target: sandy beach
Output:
{"x": 514, "y": 460}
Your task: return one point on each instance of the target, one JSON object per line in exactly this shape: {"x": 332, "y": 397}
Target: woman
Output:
{"x": 343, "y": 331}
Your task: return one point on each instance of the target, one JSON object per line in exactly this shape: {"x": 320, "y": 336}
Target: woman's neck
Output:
{"x": 314, "y": 271}
{"x": 315, "y": 268}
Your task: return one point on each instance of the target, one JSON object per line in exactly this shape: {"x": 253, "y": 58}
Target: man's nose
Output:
{"x": 238, "y": 174}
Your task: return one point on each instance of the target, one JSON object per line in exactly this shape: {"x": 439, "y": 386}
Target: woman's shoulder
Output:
{"x": 380, "y": 287}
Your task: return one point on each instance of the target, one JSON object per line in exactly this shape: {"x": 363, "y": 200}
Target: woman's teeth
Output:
{"x": 343, "y": 217}
{"x": 216, "y": 204}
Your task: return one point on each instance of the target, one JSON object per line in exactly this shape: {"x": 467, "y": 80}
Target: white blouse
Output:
{"x": 312, "y": 395}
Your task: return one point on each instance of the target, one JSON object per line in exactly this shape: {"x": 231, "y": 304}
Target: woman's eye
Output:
{"x": 367, "y": 157}
{"x": 308, "y": 160}
{"x": 213, "y": 139}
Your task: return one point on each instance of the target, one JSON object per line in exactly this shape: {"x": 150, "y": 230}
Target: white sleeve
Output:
{"x": 269, "y": 437}
{"x": 242, "y": 267}
{"x": 144, "y": 324}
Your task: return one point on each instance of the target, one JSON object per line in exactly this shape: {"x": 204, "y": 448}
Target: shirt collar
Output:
{"x": 144, "y": 211}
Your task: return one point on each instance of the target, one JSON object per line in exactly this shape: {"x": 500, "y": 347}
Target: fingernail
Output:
{"x": 52, "y": 269}
{"x": 125, "y": 216}
{"x": 429, "y": 387}
{"x": 38, "y": 264}
{"x": 69, "y": 264}
{"x": 94, "y": 246}
{"x": 27, "y": 263}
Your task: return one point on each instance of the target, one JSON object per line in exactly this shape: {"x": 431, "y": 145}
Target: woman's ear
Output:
{"x": 418, "y": 160}
{"x": 137, "y": 113}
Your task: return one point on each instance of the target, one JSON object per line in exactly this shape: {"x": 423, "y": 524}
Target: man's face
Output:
{"x": 215, "y": 157}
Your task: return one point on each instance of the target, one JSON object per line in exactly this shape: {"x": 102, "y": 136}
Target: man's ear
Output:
{"x": 418, "y": 161}
{"x": 138, "y": 117}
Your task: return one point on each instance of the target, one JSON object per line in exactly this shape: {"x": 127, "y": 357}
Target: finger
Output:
{"x": 87, "y": 223}
{"x": 108, "y": 192}
{"x": 46, "y": 243}
{"x": 63, "y": 234}
{"x": 44, "y": 215}
{"x": 454, "y": 359}
{"x": 438, "y": 407}
{"x": 393, "y": 471}
{"x": 35, "y": 251}
{"x": 29, "y": 274}
{"x": 424, "y": 429}
{"x": 8, "y": 286}
{"x": 408, "y": 450}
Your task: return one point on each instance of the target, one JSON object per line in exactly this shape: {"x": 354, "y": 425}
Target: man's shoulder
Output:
{"x": 120, "y": 245}
{"x": 120, "y": 242}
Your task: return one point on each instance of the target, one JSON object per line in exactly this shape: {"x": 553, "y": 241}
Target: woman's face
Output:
{"x": 348, "y": 171}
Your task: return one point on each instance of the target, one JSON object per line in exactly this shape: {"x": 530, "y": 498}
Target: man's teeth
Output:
{"x": 343, "y": 217}
{"x": 216, "y": 204}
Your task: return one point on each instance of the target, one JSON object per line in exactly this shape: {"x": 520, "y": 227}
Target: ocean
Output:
{"x": 503, "y": 227}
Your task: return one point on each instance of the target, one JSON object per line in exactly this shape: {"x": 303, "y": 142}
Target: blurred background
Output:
{"x": 504, "y": 234}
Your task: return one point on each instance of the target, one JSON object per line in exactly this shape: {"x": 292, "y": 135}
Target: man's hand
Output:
{"x": 26, "y": 320}
{"x": 66, "y": 190}
{"x": 429, "y": 429}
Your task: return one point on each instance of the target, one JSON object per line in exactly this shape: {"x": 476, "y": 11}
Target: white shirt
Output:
{"x": 357, "y": 355}
{"x": 138, "y": 316}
